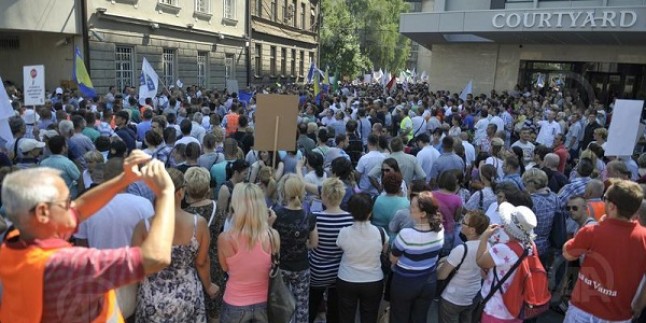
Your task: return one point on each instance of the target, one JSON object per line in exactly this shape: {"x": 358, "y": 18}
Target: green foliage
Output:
{"x": 358, "y": 35}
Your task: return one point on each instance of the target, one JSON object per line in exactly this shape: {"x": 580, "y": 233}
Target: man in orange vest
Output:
{"x": 44, "y": 278}
{"x": 593, "y": 195}
{"x": 230, "y": 121}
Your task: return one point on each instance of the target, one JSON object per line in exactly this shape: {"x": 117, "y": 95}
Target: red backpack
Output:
{"x": 528, "y": 295}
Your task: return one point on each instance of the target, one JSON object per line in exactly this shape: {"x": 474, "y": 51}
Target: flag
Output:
{"x": 148, "y": 82}
{"x": 316, "y": 84}
{"x": 244, "y": 96}
{"x": 6, "y": 112}
{"x": 179, "y": 83}
{"x": 326, "y": 77}
{"x": 423, "y": 77}
{"x": 391, "y": 84}
{"x": 540, "y": 81}
{"x": 81, "y": 77}
{"x": 335, "y": 82}
{"x": 386, "y": 78}
{"x": 413, "y": 76}
{"x": 310, "y": 74}
{"x": 405, "y": 85}
{"x": 468, "y": 89}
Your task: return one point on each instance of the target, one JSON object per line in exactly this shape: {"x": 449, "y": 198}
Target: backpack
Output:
{"x": 527, "y": 296}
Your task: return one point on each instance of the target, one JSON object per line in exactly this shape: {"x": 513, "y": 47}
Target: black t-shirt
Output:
{"x": 294, "y": 227}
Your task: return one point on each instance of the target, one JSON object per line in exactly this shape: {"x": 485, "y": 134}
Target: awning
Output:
{"x": 569, "y": 26}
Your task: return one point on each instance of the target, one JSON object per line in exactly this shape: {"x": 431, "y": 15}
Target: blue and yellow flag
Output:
{"x": 81, "y": 76}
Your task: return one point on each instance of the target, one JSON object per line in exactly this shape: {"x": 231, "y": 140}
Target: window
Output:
{"x": 301, "y": 67}
{"x": 285, "y": 11}
{"x": 230, "y": 9}
{"x": 202, "y": 68}
{"x": 259, "y": 8}
{"x": 294, "y": 4}
{"x": 312, "y": 19}
{"x": 272, "y": 60}
{"x": 293, "y": 62}
{"x": 283, "y": 61}
{"x": 169, "y": 2}
{"x": 124, "y": 63}
{"x": 302, "y": 15}
{"x": 203, "y": 6}
{"x": 274, "y": 9}
{"x": 230, "y": 67}
{"x": 258, "y": 59}
{"x": 168, "y": 62}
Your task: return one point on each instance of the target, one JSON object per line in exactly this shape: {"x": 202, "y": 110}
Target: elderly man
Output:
{"x": 44, "y": 278}
{"x": 615, "y": 258}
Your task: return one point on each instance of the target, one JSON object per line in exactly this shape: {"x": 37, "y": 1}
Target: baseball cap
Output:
{"x": 26, "y": 145}
{"x": 59, "y": 90}
{"x": 30, "y": 116}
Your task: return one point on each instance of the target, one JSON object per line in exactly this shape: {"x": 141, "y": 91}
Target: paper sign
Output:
{"x": 624, "y": 128}
{"x": 6, "y": 110}
{"x": 269, "y": 107}
{"x": 232, "y": 86}
{"x": 33, "y": 77}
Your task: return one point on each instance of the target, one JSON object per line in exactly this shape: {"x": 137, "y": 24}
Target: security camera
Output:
{"x": 62, "y": 42}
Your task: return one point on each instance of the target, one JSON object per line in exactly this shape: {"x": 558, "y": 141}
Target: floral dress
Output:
{"x": 214, "y": 305}
{"x": 174, "y": 294}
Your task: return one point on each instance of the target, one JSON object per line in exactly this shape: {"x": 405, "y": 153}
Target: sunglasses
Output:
{"x": 572, "y": 208}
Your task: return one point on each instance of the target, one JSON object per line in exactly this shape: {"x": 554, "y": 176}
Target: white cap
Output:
{"x": 26, "y": 145}
{"x": 59, "y": 90}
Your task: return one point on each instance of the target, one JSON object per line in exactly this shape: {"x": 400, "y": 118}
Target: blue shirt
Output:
{"x": 69, "y": 171}
{"x": 142, "y": 128}
{"x": 514, "y": 178}
{"x": 384, "y": 210}
{"x": 219, "y": 174}
{"x": 446, "y": 161}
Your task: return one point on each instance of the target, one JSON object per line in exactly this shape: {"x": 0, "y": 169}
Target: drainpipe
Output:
{"x": 86, "y": 36}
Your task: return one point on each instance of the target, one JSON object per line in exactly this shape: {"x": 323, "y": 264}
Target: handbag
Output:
{"x": 441, "y": 284}
{"x": 281, "y": 303}
{"x": 384, "y": 258}
{"x": 481, "y": 302}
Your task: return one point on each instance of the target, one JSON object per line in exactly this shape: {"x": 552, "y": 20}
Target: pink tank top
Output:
{"x": 248, "y": 282}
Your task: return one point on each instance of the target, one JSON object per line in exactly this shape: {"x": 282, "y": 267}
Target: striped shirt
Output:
{"x": 325, "y": 259}
{"x": 418, "y": 251}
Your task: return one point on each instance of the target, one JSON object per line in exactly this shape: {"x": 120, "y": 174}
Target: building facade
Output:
{"x": 595, "y": 46}
{"x": 285, "y": 39}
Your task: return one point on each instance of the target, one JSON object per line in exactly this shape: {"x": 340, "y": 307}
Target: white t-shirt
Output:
{"x": 361, "y": 245}
{"x": 547, "y": 133}
{"x": 498, "y": 164}
{"x": 528, "y": 150}
{"x": 465, "y": 284}
{"x": 492, "y": 213}
{"x": 186, "y": 140}
{"x": 481, "y": 129}
{"x": 500, "y": 124}
{"x": 112, "y": 226}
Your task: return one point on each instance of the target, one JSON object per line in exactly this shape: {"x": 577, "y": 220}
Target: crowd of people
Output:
{"x": 162, "y": 210}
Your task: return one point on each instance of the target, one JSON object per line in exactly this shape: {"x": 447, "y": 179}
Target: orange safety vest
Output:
{"x": 597, "y": 209}
{"x": 232, "y": 123}
{"x": 22, "y": 273}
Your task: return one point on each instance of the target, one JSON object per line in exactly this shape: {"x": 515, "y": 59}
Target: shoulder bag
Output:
{"x": 281, "y": 303}
{"x": 441, "y": 284}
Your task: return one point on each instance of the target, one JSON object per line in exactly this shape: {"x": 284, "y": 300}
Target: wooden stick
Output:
{"x": 276, "y": 141}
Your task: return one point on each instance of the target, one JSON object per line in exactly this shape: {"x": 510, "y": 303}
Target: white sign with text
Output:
{"x": 33, "y": 77}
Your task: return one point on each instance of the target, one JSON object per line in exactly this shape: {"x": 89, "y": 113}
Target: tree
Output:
{"x": 340, "y": 46}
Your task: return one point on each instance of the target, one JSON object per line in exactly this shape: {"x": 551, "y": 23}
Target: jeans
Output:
{"x": 577, "y": 315}
{"x": 410, "y": 297}
{"x": 299, "y": 283}
{"x": 332, "y": 308}
{"x": 256, "y": 313}
{"x": 451, "y": 313}
{"x": 366, "y": 295}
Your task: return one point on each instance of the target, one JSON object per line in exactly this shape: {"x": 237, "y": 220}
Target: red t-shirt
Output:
{"x": 614, "y": 264}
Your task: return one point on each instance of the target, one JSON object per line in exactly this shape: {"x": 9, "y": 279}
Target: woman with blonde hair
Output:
{"x": 298, "y": 233}
{"x": 198, "y": 197}
{"x": 244, "y": 252}
{"x": 175, "y": 294}
{"x": 267, "y": 183}
{"x": 326, "y": 257}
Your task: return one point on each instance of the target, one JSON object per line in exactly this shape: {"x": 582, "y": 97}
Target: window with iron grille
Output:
{"x": 272, "y": 60}
{"x": 230, "y": 9}
{"x": 230, "y": 67}
{"x": 202, "y": 68}
{"x": 258, "y": 59}
{"x": 124, "y": 66}
{"x": 203, "y": 6}
{"x": 283, "y": 61}
{"x": 169, "y": 2}
{"x": 301, "y": 66}
{"x": 293, "y": 62}
{"x": 168, "y": 62}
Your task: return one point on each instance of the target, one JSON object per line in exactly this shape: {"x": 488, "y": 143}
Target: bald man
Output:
{"x": 556, "y": 179}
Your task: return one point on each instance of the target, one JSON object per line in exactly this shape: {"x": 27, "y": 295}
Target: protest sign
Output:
{"x": 33, "y": 77}
{"x": 623, "y": 130}
{"x": 276, "y": 122}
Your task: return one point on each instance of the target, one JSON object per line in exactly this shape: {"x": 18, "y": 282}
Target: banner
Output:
{"x": 468, "y": 89}
{"x": 6, "y": 112}
{"x": 148, "y": 82}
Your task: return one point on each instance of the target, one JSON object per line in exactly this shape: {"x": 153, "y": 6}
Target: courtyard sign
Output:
{"x": 566, "y": 19}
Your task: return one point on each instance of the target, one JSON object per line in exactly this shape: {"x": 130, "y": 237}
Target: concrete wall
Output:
{"x": 56, "y": 16}
{"x": 40, "y": 49}
{"x": 466, "y": 5}
{"x": 493, "y": 66}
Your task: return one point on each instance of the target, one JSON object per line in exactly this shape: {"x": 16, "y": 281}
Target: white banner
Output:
{"x": 624, "y": 128}
{"x": 33, "y": 77}
{"x": 148, "y": 82}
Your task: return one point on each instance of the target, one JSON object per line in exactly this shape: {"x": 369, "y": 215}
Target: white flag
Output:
{"x": 386, "y": 78}
{"x": 148, "y": 82}
{"x": 424, "y": 76}
{"x": 6, "y": 110}
{"x": 179, "y": 83}
{"x": 468, "y": 89}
